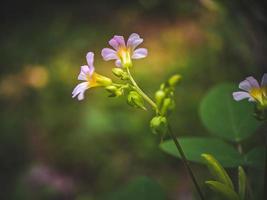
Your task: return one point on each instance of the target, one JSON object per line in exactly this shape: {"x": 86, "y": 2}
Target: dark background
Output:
{"x": 54, "y": 147}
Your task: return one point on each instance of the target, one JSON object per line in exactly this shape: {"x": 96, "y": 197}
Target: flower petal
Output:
{"x": 109, "y": 54}
{"x": 249, "y": 83}
{"x": 139, "y": 53}
{"x": 245, "y": 85}
{"x": 264, "y": 80}
{"x": 85, "y": 71}
{"x": 134, "y": 40}
{"x": 241, "y": 95}
{"x": 90, "y": 61}
{"x": 118, "y": 63}
{"x": 117, "y": 41}
{"x": 253, "y": 82}
{"x": 79, "y": 90}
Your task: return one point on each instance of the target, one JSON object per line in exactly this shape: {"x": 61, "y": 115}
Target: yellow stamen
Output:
{"x": 125, "y": 56}
{"x": 97, "y": 80}
{"x": 259, "y": 94}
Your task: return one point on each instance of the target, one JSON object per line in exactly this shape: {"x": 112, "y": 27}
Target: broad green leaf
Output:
{"x": 217, "y": 170}
{"x": 223, "y": 190}
{"x": 195, "y": 146}
{"x": 225, "y": 117}
{"x": 242, "y": 179}
{"x": 256, "y": 157}
{"x": 141, "y": 188}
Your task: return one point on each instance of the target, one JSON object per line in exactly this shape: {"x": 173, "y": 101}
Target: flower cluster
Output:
{"x": 123, "y": 53}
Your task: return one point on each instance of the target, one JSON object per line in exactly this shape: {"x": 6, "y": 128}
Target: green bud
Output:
{"x": 174, "y": 80}
{"x": 162, "y": 86}
{"x": 114, "y": 91}
{"x": 135, "y": 100}
{"x": 120, "y": 73}
{"x": 117, "y": 71}
{"x": 159, "y": 96}
{"x": 158, "y": 125}
{"x": 168, "y": 105}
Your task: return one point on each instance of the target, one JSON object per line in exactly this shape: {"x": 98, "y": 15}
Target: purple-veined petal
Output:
{"x": 134, "y": 40}
{"x": 139, "y": 53}
{"x": 253, "y": 82}
{"x": 117, "y": 41}
{"x": 118, "y": 63}
{"x": 240, "y": 95}
{"x": 90, "y": 61}
{"x": 245, "y": 85}
{"x": 79, "y": 90}
{"x": 85, "y": 71}
{"x": 264, "y": 80}
{"x": 109, "y": 54}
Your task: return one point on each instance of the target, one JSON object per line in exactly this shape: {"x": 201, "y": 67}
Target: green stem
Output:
{"x": 140, "y": 91}
{"x": 185, "y": 162}
{"x": 178, "y": 146}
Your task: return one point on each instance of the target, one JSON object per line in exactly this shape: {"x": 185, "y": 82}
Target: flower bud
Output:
{"x": 168, "y": 105}
{"x": 114, "y": 91}
{"x": 135, "y": 100}
{"x": 159, "y": 96}
{"x": 120, "y": 73}
{"x": 158, "y": 125}
{"x": 174, "y": 80}
{"x": 117, "y": 71}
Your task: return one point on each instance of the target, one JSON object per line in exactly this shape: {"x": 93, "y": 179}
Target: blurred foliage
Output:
{"x": 225, "y": 117}
{"x": 195, "y": 146}
{"x": 141, "y": 188}
{"x": 100, "y": 143}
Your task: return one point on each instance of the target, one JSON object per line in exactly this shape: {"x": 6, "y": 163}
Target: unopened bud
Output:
{"x": 158, "y": 125}
{"x": 168, "y": 105}
{"x": 135, "y": 100}
{"x": 174, "y": 80}
{"x": 159, "y": 96}
{"x": 114, "y": 91}
{"x": 120, "y": 73}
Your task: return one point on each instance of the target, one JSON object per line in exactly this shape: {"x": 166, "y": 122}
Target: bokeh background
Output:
{"x": 54, "y": 147}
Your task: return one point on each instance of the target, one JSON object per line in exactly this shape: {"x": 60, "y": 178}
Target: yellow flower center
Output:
{"x": 98, "y": 80}
{"x": 125, "y": 56}
{"x": 260, "y": 95}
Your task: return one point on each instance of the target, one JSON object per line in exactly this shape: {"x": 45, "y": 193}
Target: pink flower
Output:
{"x": 252, "y": 90}
{"x": 90, "y": 78}
{"x": 124, "y": 53}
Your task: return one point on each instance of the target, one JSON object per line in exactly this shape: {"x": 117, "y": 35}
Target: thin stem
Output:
{"x": 178, "y": 146}
{"x": 140, "y": 91}
{"x": 185, "y": 162}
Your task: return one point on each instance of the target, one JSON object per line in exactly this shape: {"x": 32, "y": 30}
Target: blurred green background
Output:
{"x": 54, "y": 147}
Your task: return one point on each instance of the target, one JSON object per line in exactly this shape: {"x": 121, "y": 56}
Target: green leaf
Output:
{"x": 142, "y": 188}
{"x": 223, "y": 190}
{"x": 225, "y": 117}
{"x": 217, "y": 170}
{"x": 242, "y": 179}
{"x": 195, "y": 146}
{"x": 256, "y": 157}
